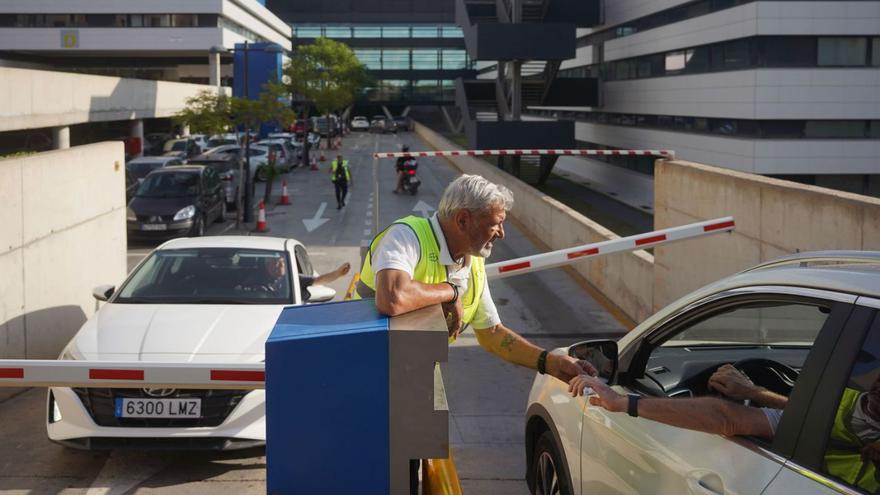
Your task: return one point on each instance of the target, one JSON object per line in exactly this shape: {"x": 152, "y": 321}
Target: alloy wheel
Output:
{"x": 546, "y": 481}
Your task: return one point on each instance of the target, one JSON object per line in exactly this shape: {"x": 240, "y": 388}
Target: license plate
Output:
{"x": 154, "y": 226}
{"x": 158, "y": 408}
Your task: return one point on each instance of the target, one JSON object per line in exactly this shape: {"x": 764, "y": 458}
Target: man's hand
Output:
{"x": 732, "y": 383}
{"x": 605, "y": 397}
{"x": 566, "y": 367}
{"x": 871, "y": 453}
{"x": 454, "y": 312}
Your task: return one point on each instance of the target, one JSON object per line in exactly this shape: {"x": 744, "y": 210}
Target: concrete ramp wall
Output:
{"x": 626, "y": 280}
{"x": 63, "y": 233}
{"x": 773, "y": 218}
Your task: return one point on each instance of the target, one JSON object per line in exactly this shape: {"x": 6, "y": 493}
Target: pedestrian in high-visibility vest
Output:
{"x": 341, "y": 177}
{"x": 418, "y": 262}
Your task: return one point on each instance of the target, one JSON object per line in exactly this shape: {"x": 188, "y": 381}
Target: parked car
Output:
{"x": 154, "y": 141}
{"x": 805, "y": 327}
{"x": 299, "y": 127}
{"x": 381, "y": 124}
{"x": 186, "y": 302}
{"x": 222, "y": 140}
{"x": 404, "y": 123}
{"x": 201, "y": 141}
{"x": 324, "y": 126}
{"x": 182, "y": 148}
{"x": 140, "y": 167}
{"x": 259, "y": 155}
{"x": 227, "y": 166}
{"x": 176, "y": 201}
{"x": 131, "y": 185}
{"x": 360, "y": 123}
{"x": 285, "y": 156}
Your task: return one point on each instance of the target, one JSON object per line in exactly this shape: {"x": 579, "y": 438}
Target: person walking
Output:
{"x": 341, "y": 177}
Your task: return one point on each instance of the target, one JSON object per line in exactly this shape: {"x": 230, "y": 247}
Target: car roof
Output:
{"x": 152, "y": 159}
{"x": 178, "y": 168}
{"x": 227, "y": 241}
{"x": 214, "y": 157}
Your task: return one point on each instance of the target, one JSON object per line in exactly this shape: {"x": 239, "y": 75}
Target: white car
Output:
{"x": 806, "y": 327}
{"x": 360, "y": 123}
{"x": 259, "y": 155}
{"x": 201, "y": 141}
{"x": 208, "y": 300}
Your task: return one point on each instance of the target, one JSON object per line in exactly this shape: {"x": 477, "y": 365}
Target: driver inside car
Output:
{"x": 706, "y": 414}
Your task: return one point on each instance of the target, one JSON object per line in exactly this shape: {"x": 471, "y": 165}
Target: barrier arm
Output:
{"x": 568, "y": 256}
{"x": 670, "y": 154}
{"x": 107, "y": 374}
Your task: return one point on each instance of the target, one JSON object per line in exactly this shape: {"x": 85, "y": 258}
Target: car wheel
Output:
{"x": 262, "y": 174}
{"x": 198, "y": 228}
{"x": 550, "y": 478}
{"x": 222, "y": 217}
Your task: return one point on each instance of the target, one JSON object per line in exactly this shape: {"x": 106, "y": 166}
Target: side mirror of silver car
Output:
{"x": 103, "y": 292}
{"x": 601, "y": 353}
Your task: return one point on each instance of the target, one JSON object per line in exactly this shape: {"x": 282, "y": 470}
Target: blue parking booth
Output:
{"x": 352, "y": 396}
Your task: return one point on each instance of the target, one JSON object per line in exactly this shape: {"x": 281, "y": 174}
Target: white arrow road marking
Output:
{"x": 424, "y": 208}
{"x": 125, "y": 470}
{"x": 316, "y": 221}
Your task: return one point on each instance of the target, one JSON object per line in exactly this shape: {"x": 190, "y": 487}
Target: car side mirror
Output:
{"x": 321, "y": 293}
{"x": 601, "y": 353}
{"x": 103, "y": 292}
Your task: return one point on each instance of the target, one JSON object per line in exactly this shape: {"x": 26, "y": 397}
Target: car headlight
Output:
{"x": 130, "y": 215}
{"x": 185, "y": 214}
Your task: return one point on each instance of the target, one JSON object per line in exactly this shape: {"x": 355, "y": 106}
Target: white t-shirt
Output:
{"x": 400, "y": 250}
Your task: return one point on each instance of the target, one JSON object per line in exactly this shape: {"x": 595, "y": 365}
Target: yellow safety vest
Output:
{"x": 843, "y": 458}
{"x": 428, "y": 270}
{"x": 333, "y": 166}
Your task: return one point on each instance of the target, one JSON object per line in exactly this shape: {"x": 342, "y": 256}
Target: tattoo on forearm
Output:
{"x": 507, "y": 342}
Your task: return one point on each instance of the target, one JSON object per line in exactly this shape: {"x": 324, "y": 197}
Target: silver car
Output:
{"x": 805, "y": 327}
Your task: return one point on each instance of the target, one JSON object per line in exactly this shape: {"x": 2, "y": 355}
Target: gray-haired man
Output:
{"x": 417, "y": 262}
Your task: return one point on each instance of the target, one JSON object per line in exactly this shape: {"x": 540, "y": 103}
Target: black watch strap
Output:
{"x": 632, "y": 405}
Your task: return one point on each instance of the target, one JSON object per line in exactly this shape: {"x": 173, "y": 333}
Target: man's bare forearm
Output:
{"x": 766, "y": 398}
{"x": 397, "y": 294}
{"x": 509, "y": 346}
{"x": 706, "y": 414}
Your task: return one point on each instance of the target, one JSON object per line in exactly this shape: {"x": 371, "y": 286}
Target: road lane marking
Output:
{"x": 424, "y": 208}
{"x": 316, "y": 221}
{"x": 126, "y": 469}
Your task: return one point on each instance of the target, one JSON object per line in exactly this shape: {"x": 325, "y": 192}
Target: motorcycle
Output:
{"x": 411, "y": 183}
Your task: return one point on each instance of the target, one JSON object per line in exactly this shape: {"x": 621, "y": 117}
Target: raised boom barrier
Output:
{"x": 525, "y": 152}
{"x": 568, "y": 256}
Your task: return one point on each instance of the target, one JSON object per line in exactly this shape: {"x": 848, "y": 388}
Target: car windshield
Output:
{"x": 178, "y": 146}
{"x": 169, "y": 185}
{"x": 213, "y": 143}
{"x": 139, "y": 170}
{"x": 210, "y": 276}
{"x": 256, "y": 152}
{"x": 220, "y": 166}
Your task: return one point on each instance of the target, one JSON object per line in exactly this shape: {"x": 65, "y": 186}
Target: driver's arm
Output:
{"x": 706, "y": 414}
{"x": 732, "y": 383}
{"x": 398, "y": 293}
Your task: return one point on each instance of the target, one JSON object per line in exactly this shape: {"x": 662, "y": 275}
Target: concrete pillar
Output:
{"x": 214, "y": 69}
{"x": 61, "y": 137}
{"x": 137, "y": 131}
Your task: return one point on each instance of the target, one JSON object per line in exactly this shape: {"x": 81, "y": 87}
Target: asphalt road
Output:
{"x": 487, "y": 397}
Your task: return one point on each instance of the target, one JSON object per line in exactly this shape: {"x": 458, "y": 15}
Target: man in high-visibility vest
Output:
{"x": 417, "y": 262}
{"x": 341, "y": 177}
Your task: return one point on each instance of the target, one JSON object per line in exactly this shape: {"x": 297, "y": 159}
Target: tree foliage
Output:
{"x": 209, "y": 112}
{"x": 326, "y": 74}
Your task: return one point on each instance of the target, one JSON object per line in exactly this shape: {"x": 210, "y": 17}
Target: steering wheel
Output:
{"x": 770, "y": 374}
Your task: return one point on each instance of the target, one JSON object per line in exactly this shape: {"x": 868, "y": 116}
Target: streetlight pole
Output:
{"x": 248, "y": 180}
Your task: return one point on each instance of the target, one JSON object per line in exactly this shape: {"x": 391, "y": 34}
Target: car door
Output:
{"x": 840, "y": 437}
{"x": 623, "y": 454}
{"x": 216, "y": 195}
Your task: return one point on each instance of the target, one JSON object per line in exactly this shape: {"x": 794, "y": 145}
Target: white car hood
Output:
{"x": 177, "y": 333}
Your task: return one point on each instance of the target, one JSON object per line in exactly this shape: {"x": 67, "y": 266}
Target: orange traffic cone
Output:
{"x": 285, "y": 199}
{"x": 261, "y": 219}
{"x": 322, "y": 158}
{"x": 314, "y": 166}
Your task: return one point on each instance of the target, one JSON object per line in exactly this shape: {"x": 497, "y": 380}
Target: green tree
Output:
{"x": 209, "y": 112}
{"x": 325, "y": 74}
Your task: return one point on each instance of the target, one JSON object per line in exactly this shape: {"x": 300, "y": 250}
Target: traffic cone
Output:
{"x": 322, "y": 158}
{"x": 314, "y": 165}
{"x": 285, "y": 199}
{"x": 261, "y": 219}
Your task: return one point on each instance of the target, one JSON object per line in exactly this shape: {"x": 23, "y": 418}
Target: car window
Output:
{"x": 768, "y": 341}
{"x": 303, "y": 263}
{"x": 169, "y": 185}
{"x": 210, "y": 276}
{"x": 852, "y": 452}
{"x": 139, "y": 170}
{"x": 257, "y": 152}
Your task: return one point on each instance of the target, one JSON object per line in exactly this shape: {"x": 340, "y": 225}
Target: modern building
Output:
{"x": 788, "y": 89}
{"x": 161, "y": 39}
{"x": 412, "y": 48}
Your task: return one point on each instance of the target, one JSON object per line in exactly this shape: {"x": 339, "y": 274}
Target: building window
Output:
{"x": 395, "y": 59}
{"x": 454, "y": 59}
{"x": 834, "y": 129}
{"x": 451, "y": 32}
{"x": 842, "y": 51}
{"x": 308, "y": 32}
{"x": 784, "y": 51}
{"x": 367, "y": 32}
{"x": 372, "y": 59}
{"x": 675, "y": 61}
{"x": 184, "y": 20}
{"x": 875, "y": 52}
{"x": 337, "y": 32}
{"x": 425, "y": 32}
{"x": 425, "y": 59}
{"x": 395, "y": 32}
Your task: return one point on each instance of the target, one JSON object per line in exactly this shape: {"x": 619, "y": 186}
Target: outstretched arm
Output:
{"x": 706, "y": 414}
{"x": 328, "y": 277}
{"x": 513, "y": 348}
{"x": 730, "y": 382}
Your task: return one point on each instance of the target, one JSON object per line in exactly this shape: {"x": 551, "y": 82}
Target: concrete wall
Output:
{"x": 63, "y": 234}
{"x": 626, "y": 280}
{"x": 31, "y": 99}
{"x": 773, "y": 218}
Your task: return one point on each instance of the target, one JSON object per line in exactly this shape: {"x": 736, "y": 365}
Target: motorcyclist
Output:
{"x": 401, "y": 169}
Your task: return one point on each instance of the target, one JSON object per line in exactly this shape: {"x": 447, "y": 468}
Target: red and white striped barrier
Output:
{"x": 526, "y": 152}
{"x": 568, "y": 256}
{"x": 106, "y": 374}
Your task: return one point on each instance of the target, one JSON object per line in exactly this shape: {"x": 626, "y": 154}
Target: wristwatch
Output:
{"x": 632, "y": 405}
